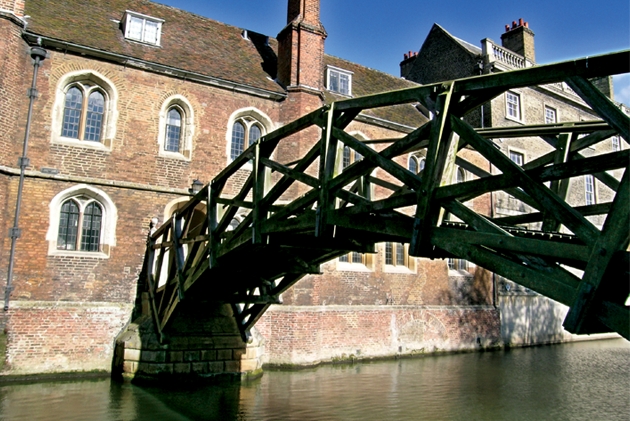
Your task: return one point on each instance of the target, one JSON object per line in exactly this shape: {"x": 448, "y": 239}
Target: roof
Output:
{"x": 472, "y": 49}
{"x": 366, "y": 81}
{"x": 189, "y": 42}
{"x": 195, "y": 44}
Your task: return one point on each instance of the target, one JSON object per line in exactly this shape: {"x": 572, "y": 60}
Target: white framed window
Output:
{"x": 142, "y": 28}
{"x": 82, "y": 222}
{"x": 551, "y": 116}
{"x": 245, "y": 127}
{"x": 415, "y": 164}
{"x": 589, "y": 189}
{"x": 517, "y": 157}
{"x": 84, "y": 112}
{"x": 339, "y": 80}
{"x": 176, "y": 128}
{"x": 355, "y": 262}
{"x": 513, "y": 106}
{"x": 615, "y": 143}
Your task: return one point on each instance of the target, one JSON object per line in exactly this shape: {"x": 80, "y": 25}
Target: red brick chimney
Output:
{"x": 15, "y": 6}
{"x": 301, "y": 47}
{"x": 520, "y": 39}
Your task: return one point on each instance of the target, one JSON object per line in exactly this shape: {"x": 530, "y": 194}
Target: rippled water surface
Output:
{"x": 581, "y": 381}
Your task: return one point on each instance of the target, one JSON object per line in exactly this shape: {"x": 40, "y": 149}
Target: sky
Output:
{"x": 376, "y": 33}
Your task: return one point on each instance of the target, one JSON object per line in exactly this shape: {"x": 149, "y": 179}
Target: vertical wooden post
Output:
{"x": 259, "y": 211}
{"x": 211, "y": 214}
{"x": 327, "y": 163}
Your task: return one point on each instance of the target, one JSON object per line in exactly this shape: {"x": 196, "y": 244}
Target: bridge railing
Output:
{"x": 297, "y": 215}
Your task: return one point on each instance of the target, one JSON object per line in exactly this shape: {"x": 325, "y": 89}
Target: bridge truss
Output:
{"x": 304, "y": 213}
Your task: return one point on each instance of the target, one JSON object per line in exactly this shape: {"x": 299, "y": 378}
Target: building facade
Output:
{"x": 526, "y": 317}
{"x": 135, "y": 104}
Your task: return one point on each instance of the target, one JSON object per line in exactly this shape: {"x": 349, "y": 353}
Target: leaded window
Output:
{"x": 245, "y": 128}
{"x": 84, "y": 112}
{"x": 89, "y": 216}
{"x": 173, "y": 130}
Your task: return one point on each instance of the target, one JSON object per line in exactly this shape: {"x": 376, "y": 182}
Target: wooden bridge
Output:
{"x": 303, "y": 213}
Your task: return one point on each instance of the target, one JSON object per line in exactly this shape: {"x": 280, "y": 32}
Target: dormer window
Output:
{"x": 339, "y": 80}
{"x": 142, "y": 28}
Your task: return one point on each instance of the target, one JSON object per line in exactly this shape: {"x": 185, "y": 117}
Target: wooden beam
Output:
{"x": 575, "y": 222}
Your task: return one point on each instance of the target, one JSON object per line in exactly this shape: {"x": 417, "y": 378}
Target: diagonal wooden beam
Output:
{"x": 614, "y": 237}
{"x": 575, "y": 222}
{"x": 601, "y": 105}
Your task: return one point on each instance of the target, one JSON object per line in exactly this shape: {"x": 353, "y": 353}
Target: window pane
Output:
{"x": 238, "y": 140}
{"x": 150, "y": 31}
{"x": 68, "y": 220}
{"x": 91, "y": 233}
{"x": 72, "y": 113}
{"x": 135, "y": 28}
{"x": 422, "y": 162}
{"x": 516, "y": 157}
{"x": 254, "y": 134}
{"x": 413, "y": 165}
{"x": 400, "y": 254}
{"x": 173, "y": 130}
{"x": 344, "y": 84}
{"x": 346, "y": 157}
{"x": 389, "y": 254}
{"x": 513, "y": 107}
{"x": 550, "y": 115}
{"x": 334, "y": 81}
{"x": 616, "y": 145}
{"x": 589, "y": 189}
{"x": 357, "y": 257}
{"x": 344, "y": 258}
{"x": 461, "y": 176}
{"x": 94, "y": 116}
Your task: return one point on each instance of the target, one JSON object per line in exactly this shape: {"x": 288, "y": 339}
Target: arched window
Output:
{"x": 350, "y": 156}
{"x": 176, "y": 128}
{"x": 244, "y": 128}
{"x": 460, "y": 176}
{"x": 173, "y": 130}
{"x": 80, "y": 212}
{"x": 84, "y": 112}
{"x": 82, "y": 219}
{"x": 412, "y": 164}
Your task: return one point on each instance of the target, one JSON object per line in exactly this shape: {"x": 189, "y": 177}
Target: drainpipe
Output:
{"x": 38, "y": 54}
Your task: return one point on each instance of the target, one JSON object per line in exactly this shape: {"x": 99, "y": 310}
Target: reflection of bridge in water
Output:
{"x": 304, "y": 213}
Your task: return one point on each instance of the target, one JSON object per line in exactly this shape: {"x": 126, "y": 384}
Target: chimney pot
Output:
{"x": 513, "y": 24}
{"x": 520, "y": 22}
{"x": 406, "y": 56}
{"x": 507, "y": 28}
{"x": 526, "y": 24}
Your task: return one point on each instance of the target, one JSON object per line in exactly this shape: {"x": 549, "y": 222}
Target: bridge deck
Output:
{"x": 304, "y": 213}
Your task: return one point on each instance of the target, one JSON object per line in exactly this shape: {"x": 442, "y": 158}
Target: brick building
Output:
{"x": 445, "y": 57}
{"x": 137, "y": 100}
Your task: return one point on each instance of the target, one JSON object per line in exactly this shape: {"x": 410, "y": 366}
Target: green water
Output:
{"x": 581, "y": 381}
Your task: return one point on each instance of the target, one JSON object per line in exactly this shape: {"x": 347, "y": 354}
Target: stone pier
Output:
{"x": 201, "y": 342}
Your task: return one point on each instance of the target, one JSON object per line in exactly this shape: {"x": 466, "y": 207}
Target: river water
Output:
{"x": 578, "y": 381}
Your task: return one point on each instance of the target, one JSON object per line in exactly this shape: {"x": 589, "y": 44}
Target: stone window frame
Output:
{"x": 83, "y": 194}
{"x": 248, "y": 116}
{"x": 408, "y": 264}
{"x": 187, "y": 130}
{"x": 110, "y": 116}
{"x": 130, "y": 16}
{"x": 514, "y": 113}
{"x": 336, "y": 72}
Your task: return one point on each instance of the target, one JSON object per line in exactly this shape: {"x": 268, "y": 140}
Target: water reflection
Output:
{"x": 589, "y": 380}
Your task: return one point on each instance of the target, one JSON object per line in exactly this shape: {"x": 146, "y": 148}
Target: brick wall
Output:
{"x": 309, "y": 335}
{"x": 45, "y": 337}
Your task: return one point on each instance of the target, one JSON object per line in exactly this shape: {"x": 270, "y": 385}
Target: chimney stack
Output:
{"x": 301, "y": 47}
{"x": 520, "y": 39}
